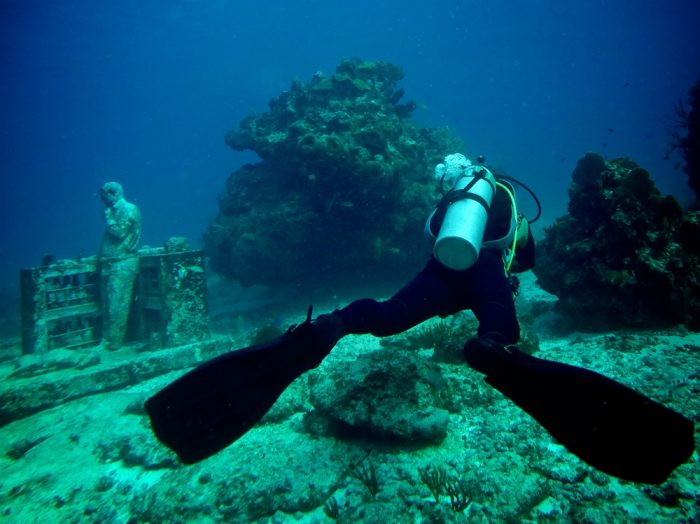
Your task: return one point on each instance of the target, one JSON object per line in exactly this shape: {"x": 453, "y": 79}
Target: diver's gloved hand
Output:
{"x": 487, "y": 354}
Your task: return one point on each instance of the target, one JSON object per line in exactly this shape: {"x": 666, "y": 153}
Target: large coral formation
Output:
{"x": 343, "y": 188}
{"x": 624, "y": 255}
{"x": 690, "y": 144}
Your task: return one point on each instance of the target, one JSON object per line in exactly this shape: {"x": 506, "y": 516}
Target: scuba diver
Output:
{"x": 479, "y": 241}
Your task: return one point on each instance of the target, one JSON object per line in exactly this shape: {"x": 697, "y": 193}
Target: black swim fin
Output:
{"x": 606, "y": 424}
{"x": 213, "y": 405}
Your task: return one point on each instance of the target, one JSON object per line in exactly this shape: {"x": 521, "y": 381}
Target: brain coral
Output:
{"x": 624, "y": 255}
{"x": 342, "y": 190}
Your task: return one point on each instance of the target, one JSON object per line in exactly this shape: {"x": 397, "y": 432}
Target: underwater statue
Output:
{"x": 118, "y": 262}
{"x": 122, "y": 221}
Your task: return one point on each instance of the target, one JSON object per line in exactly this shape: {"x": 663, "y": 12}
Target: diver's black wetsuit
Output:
{"x": 436, "y": 290}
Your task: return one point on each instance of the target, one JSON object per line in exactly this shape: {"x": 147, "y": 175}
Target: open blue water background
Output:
{"x": 143, "y": 91}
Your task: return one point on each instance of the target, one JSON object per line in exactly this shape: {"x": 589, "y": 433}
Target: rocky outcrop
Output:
{"x": 388, "y": 395}
{"x": 343, "y": 188}
{"x": 690, "y": 144}
{"x": 624, "y": 255}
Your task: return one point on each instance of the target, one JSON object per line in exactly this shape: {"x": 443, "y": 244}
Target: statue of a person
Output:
{"x": 119, "y": 263}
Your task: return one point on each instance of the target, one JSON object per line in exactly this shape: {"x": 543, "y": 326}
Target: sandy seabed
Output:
{"x": 91, "y": 457}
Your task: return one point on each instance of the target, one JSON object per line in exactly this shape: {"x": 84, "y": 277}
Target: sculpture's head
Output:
{"x": 111, "y": 193}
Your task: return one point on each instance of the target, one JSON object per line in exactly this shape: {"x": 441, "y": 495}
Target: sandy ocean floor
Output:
{"x": 91, "y": 457}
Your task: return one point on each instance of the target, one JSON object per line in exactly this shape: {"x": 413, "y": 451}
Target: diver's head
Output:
{"x": 452, "y": 169}
{"x": 111, "y": 193}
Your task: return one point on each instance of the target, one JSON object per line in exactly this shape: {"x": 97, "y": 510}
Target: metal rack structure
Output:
{"x": 62, "y": 302}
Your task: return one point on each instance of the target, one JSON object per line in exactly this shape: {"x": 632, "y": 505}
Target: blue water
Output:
{"x": 142, "y": 92}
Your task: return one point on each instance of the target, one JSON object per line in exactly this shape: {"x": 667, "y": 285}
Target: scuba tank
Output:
{"x": 463, "y": 222}
{"x": 465, "y": 210}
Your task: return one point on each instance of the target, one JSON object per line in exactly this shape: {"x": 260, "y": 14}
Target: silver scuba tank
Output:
{"x": 459, "y": 241}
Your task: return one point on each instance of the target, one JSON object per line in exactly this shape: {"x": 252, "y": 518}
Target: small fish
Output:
{"x": 626, "y": 84}
{"x": 611, "y": 130}
{"x": 682, "y": 381}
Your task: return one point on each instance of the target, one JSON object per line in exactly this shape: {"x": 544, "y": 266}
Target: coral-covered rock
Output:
{"x": 388, "y": 395}
{"x": 343, "y": 188}
{"x": 624, "y": 255}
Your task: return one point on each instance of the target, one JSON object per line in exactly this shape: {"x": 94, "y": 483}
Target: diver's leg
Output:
{"x": 430, "y": 293}
{"x": 490, "y": 297}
